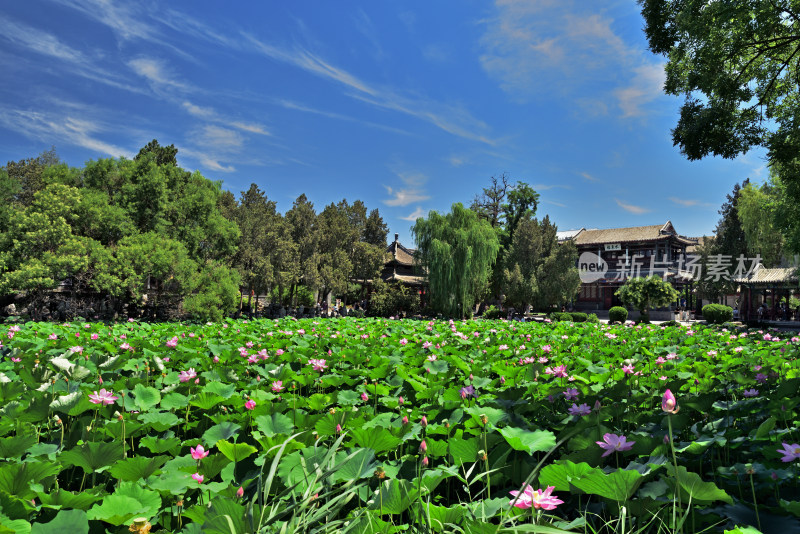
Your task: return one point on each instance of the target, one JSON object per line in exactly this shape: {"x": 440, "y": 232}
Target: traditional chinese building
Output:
{"x": 400, "y": 265}
{"x": 607, "y": 258}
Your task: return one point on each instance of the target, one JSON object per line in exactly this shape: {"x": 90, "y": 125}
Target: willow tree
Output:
{"x": 457, "y": 250}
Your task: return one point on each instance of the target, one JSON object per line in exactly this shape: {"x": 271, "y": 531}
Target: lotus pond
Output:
{"x": 366, "y": 425}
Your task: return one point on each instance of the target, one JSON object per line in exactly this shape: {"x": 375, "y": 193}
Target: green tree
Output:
{"x": 539, "y": 270}
{"x": 757, "y": 211}
{"x": 27, "y": 175}
{"x": 647, "y": 293}
{"x": 163, "y": 155}
{"x": 302, "y": 224}
{"x": 729, "y": 236}
{"x": 736, "y": 64}
{"x": 457, "y": 250}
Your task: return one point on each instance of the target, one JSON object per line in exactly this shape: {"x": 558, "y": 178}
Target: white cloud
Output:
{"x": 589, "y": 177}
{"x": 69, "y": 128}
{"x": 416, "y": 214}
{"x": 404, "y": 197}
{"x": 156, "y": 72}
{"x": 647, "y": 85}
{"x": 198, "y": 111}
{"x": 288, "y": 104}
{"x": 219, "y": 138}
{"x": 547, "y": 187}
{"x": 249, "y": 127}
{"x": 559, "y": 204}
{"x": 567, "y": 48}
{"x": 121, "y": 17}
{"x": 630, "y": 208}
{"x": 451, "y": 118}
{"x": 457, "y": 161}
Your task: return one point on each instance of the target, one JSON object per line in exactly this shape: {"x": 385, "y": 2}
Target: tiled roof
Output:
{"x": 701, "y": 241}
{"x": 401, "y": 254}
{"x": 776, "y": 275}
{"x": 563, "y": 235}
{"x": 622, "y": 235}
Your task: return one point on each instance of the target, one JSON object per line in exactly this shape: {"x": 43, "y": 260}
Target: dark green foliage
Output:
{"x": 560, "y": 316}
{"x": 717, "y": 313}
{"x": 671, "y": 322}
{"x": 647, "y": 293}
{"x": 617, "y": 314}
{"x": 578, "y": 317}
{"x": 492, "y": 312}
{"x": 391, "y": 299}
{"x": 592, "y": 318}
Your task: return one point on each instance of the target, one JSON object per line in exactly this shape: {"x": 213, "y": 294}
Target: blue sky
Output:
{"x": 409, "y": 106}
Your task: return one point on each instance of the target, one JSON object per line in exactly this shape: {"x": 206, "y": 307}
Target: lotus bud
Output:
{"x": 424, "y": 421}
{"x": 425, "y": 461}
{"x": 338, "y": 429}
{"x": 423, "y": 446}
{"x": 240, "y": 492}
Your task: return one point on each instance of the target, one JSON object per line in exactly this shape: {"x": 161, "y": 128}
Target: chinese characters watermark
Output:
{"x": 592, "y": 267}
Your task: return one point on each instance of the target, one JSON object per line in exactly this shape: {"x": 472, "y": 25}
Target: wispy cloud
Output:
{"x": 457, "y": 161}
{"x": 48, "y": 45}
{"x": 156, "y": 72}
{"x": 630, "y": 208}
{"x": 688, "y": 202}
{"x": 645, "y": 86}
{"x": 587, "y": 176}
{"x": 416, "y": 214}
{"x": 547, "y": 187}
{"x": 559, "y": 204}
{"x": 69, "y": 126}
{"x": 122, "y": 17}
{"x": 366, "y": 28}
{"x": 288, "y": 104}
{"x": 404, "y": 197}
{"x": 451, "y": 118}
{"x": 210, "y": 114}
{"x": 565, "y": 47}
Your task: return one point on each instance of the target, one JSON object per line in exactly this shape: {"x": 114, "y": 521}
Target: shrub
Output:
{"x": 391, "y": 299}
{"x": 492, "y": 312}
{"x": 671, "y": 322}
{"x": 578, "y": 317}
{"x": 592, "y": 318}
{"x": 717, "y": 313}
{"x": 617, "y": 314}
{"x": 560, "y": 316}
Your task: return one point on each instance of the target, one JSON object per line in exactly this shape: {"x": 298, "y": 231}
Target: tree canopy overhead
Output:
{"x": 737, "y": 64}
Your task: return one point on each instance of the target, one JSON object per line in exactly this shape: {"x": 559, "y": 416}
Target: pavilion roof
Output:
{"x": 775, "y": 275}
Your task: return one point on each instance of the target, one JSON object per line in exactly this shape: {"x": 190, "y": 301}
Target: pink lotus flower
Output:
{"x": 52, "y": 337}
{"x": 240, "y": 492}
{"x": 250, "y": 404}
{"x": 627, "y": 369}
{"x": 669, "y": 403}
{"x": 126, "y": 346}
{"x": 198, "y": 477}
{"x": 186, "y": 376}
{"x": 581, "y": 410}
{"x": 364, "y": 397}
{"x": 613, "y": 443}
{"x": 103, "y": 397}
{"x": 790, "y": 452}
{"x": 405, "y": 420}
{"x": 547, "y": 348}
{"x": 76, "y": 348}
{"x": 400, "y": 400}
{"x": 404, "y": 341}
{"x": 339, "y": 429}
{"x": 277, "y": 386}
{"x": 16, "y": 360}
{"x": 318, "y": 365}
{"x": 172, "y": 343}
{"x": 423, "y": 446}
{"x": 529, "y": 497}
{"x": 198, "y": 453}
{"x": 94, "y": 336}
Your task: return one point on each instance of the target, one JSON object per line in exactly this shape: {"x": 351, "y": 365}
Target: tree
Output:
{"x": 729, "y": 236}
{"x": 736, "y": 64}
{"x": 27, "y": 175}
{"x": 302, "y": 220}
{"x": 162, "y": 155}
{"x": 757, "y": 210}
{"x": 539, "y": 270}
{"x": 647, "y": 293}
{"x": 458, "y": 251}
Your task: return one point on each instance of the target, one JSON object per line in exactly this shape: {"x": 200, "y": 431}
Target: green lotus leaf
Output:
{"x": 71, "y": 521}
